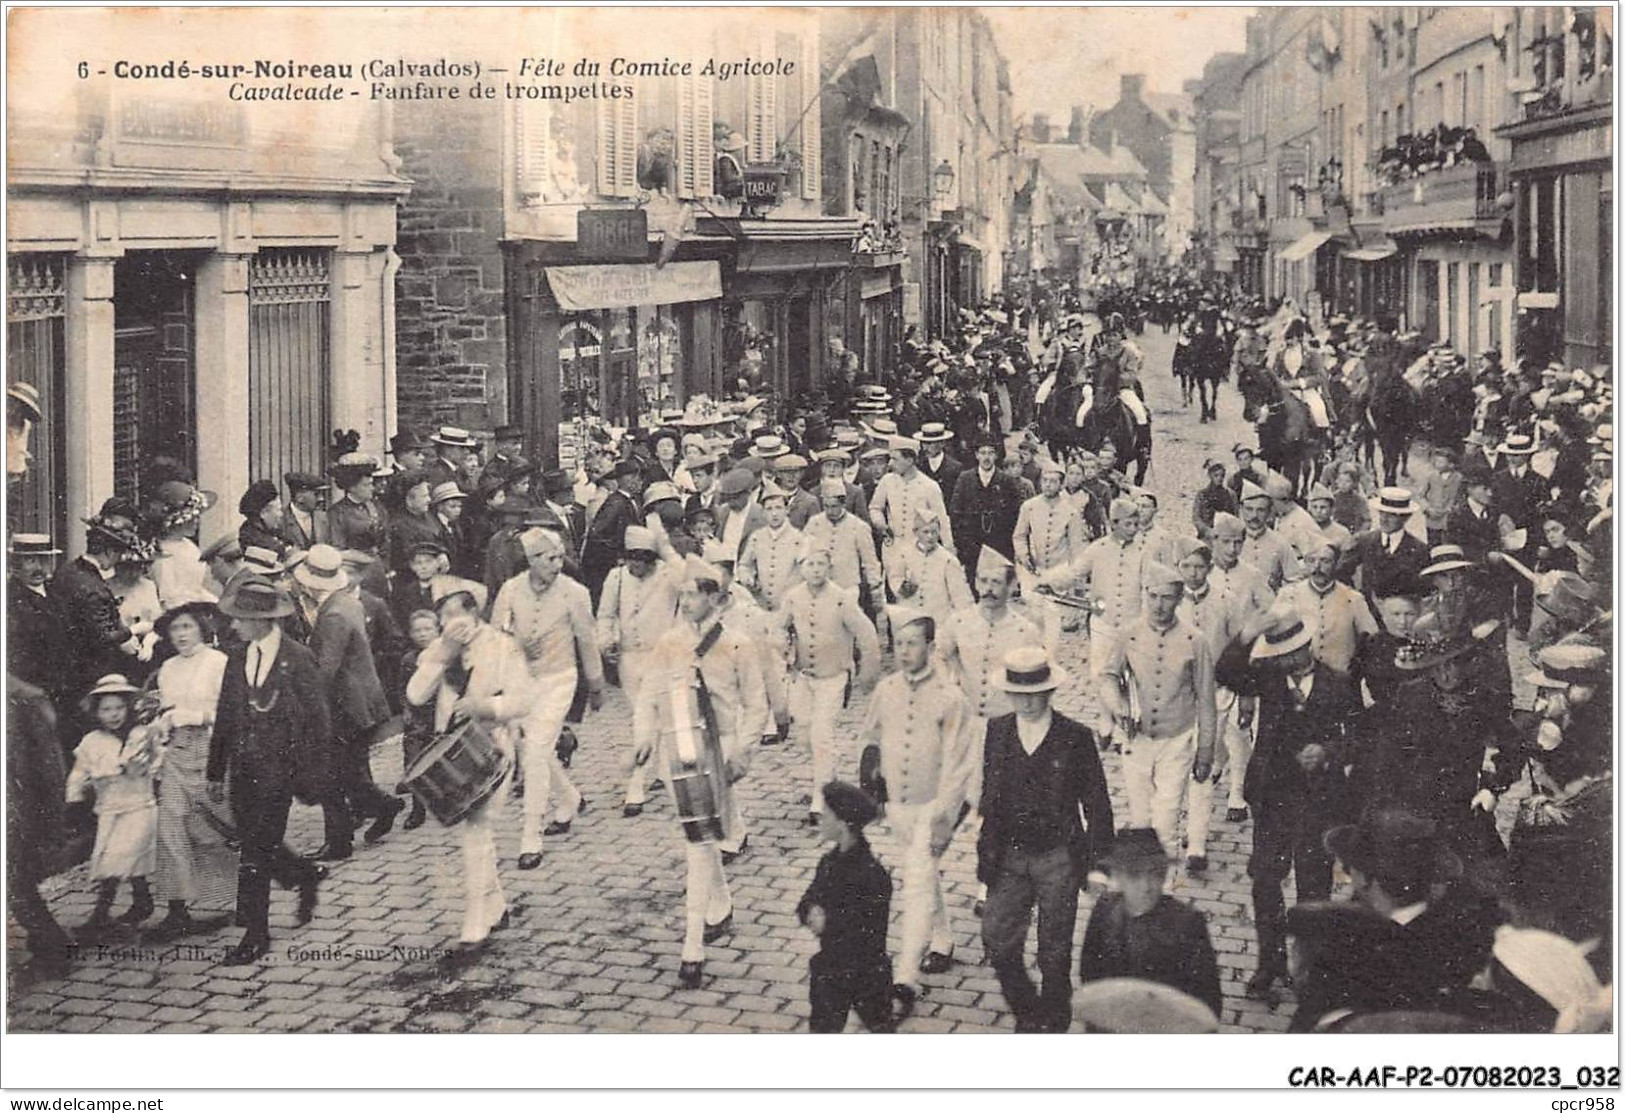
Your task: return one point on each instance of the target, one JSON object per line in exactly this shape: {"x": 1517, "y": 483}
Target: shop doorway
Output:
{"x": 799, "y": 350}
{"x": 154, "y": 364}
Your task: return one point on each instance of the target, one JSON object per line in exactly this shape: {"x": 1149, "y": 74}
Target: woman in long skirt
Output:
{"x": 197, "y": 865}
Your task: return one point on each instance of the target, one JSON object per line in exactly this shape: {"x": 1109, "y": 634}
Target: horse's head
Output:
{"x": 1258, "y": 389}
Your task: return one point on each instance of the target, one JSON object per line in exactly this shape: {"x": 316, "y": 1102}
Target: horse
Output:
{"x": 1392, "y": 410}
{"x": 1288, "y": 440}
{"x": 1207, "y": 365}
{"x": 1110, "y": 422}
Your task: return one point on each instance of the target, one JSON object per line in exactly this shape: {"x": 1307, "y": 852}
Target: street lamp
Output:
{"x": 942, "y": 180}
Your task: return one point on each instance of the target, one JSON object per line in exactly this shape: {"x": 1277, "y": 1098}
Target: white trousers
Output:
{"x": 706, "y": 896}
{"x": 1102, "y": 637}
{"x": 925, "y": 921}
{"x": 1317, "y": 407}
{"x": 1156, "y": 776}
{"x": 543, "y": 773}
{"x": 815, "y": 704}
{"x": 634, "y": 666}
{"x": 483, "y": 899}
{"x": 1238, "y": 750}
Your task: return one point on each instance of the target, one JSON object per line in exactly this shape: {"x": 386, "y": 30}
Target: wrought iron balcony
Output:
{"x": 1458, "y": 196}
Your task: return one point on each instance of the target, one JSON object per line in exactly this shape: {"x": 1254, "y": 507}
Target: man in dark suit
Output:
{"x": 272, "y": 737}
{"x": 558, "y": 494}
{"x": 452, "y": 446}
{"x": 1138, "y": 931}
{"x": 98, "y": 641}
{"x": 34, "y": 625}
{"x": 935, "y": 460}
{"x": 1475, "y": 522}
{"x": 304, "y": 522}
{"x": 1389, "y": 554}
{"x": 1520, "y": 493}
{"x": 1039, "y": 769}
{"x": 355, "y": 699}
{"x": 985, "y": 505}
{"x": 601, "y": 545}
{"x": 1295, "y": 783}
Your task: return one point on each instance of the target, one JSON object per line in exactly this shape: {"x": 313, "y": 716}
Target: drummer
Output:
{"x": 700, "y": 646}
{"x": 475, "y": 671}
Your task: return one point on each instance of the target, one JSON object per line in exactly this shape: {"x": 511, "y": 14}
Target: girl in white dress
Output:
{"x": 114, "y": 763}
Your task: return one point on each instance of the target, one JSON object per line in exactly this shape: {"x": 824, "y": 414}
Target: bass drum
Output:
{"x": 458, "y": 772}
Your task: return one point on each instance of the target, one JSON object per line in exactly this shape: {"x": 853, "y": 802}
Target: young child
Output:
{"x": 1349, "y": 506}
{"x": 114, "y": 763}
{"x": 422, "y": 628}
{"x": 848, "y": 907}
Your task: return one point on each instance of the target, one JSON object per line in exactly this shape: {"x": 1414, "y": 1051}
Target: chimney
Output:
{"x": 1075, "y": 127}
{"x": 1133, "y": 84}
{"x": 1040, "y": 127}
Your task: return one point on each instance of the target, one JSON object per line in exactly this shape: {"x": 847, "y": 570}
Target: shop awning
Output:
{"x": 1305, "y": 246}
{"x": 1373, "y": 251}
{"x": 621, "y": 285}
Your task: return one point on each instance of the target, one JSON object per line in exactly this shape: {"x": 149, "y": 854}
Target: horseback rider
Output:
{"x": 1301, "y": 370}
{"x": 1114, "y": 369}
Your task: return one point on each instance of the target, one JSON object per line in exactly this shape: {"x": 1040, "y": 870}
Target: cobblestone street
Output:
{"x": 596, "y": 930}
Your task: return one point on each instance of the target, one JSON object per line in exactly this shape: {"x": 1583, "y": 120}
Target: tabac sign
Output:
{"x": 613, "y": 235}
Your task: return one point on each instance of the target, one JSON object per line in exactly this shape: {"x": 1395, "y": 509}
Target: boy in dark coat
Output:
{"x": 848, "y": 906}
{"x": 1138, "y": 931}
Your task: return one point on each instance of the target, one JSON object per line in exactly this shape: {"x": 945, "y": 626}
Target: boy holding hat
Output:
{"x": 927, "y": 742}
{"x": 1046, "y": 818}
{"x": 1295, "y": 783}
{"x": 1137, "y": 931}
{"x": 823, "y": 623}
{"x": 926, "y": 575}
{"x": 637, "y": 606}
{"x": 848, "y": 906}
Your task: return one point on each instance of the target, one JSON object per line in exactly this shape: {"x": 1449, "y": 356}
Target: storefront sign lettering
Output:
{"x": 613, "y": 235}
{"x": 618, "y": 286}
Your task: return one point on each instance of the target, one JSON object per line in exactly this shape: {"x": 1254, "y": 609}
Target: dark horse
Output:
{"x": 1287, "y": 438}
{"x": 1391, "y": 412}
{"x": 1108, "y": 421}
{"x": 1207, "y": 363}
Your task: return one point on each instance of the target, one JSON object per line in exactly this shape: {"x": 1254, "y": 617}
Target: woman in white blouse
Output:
{"x": 196, "y": 865}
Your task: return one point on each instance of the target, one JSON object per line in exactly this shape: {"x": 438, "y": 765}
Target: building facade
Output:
{"x": 210, "y": 282}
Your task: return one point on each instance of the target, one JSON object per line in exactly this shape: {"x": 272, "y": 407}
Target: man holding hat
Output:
{"x": 898, "y": 496}
{"x": 1137, "y": 931}
{"x": 638, "y": 605}
{"x": 700, "y": 649}
{"x": 1159, "y": 692}
{"x": 475, "y": 671}
{"x": 1295, "y": 783}
{"x": 551, "y": 617}
{"x": 304, "y": 522}
{"x": 926, "y": 744}
{"x": 355, "y": 697}
{"x": 1390, "y": 553}
{"x": 273, "y": 739}
{"x": 1046, "y": 819}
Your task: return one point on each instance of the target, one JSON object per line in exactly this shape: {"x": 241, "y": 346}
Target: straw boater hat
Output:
{"x": 254, "y": 597}
{"x": 769, "y": 445}
{"x": 1565, "y": 663}
{"x": 262, "y": 560}
{"x": 450, "y": 436}
{"x": 1287, "y": 633}
{"x": 933, "y": 432}
{"x": 1446, "y": 558}
{"x": 322, "y": 570}
{"x": 1028, "y": 668}
{"x": 1134, "y": 1006}
{"x": 25, "y": 401}
{"x": 31, "y": 544}
{"x": 1395, "y": 500}
{"x": 1517, "y": 444}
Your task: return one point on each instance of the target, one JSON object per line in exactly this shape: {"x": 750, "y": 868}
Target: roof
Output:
{"x": 1176, "y": 109}
{"x": 1069, "y": 162}
{"x": 1123, "y": 201}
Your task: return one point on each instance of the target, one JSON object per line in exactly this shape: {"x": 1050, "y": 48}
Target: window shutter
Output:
{"x": 763, "y": 124}
{"x": 532, "y": 140}
{"x": 812, "y": 137}
{"x": 618, "y": 147}
{"x": 696, "y": 157}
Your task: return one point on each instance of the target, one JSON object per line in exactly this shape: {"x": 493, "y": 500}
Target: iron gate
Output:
{"x": 289, "y": 292}
{"x": 36, "y": 308}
